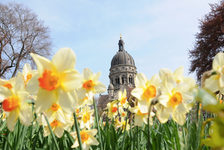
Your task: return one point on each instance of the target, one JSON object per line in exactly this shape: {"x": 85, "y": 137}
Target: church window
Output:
{"x": 130, "y": 80}
{"x": 123, "y": 79}
{"x": 117, "y": 80}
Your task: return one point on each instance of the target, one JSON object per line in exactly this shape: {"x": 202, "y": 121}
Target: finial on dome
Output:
{"x": 121, "y": 44}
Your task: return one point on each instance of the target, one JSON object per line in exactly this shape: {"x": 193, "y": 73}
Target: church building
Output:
{"x": 122, "y": 75}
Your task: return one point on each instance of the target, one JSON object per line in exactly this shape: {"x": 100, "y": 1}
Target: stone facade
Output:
{"x": 122, "y": 75}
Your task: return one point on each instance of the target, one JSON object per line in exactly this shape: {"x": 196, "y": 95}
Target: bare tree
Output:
{"x": 20, "y": 34}
{"x": 209, "y": 41}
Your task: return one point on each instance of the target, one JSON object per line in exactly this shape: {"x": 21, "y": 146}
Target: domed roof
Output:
{"x": 122, "y": 57}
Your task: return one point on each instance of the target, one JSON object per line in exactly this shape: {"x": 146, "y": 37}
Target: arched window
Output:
{"x": 130, "y": 79}
{"x": 117, "y": 80}
{"x": 123, "y": 79}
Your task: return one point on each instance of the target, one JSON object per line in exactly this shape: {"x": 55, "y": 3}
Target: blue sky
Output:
{"x": 157, "y": 33}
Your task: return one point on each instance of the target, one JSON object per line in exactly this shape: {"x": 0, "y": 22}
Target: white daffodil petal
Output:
{"x": 72, "y": 80}
{"x": 19, "y": 82}
{"x": 96, "y": 76}
{"x": 33, "y": 85}
{"x": 155, "y": 80}
{"x": 59, "y": 131}
{"x": 218, "y": 61}
{"x": 41, "y": 62}
{"x": 163, "y": 113}
{"x": 4, "y": 93}
{"x": 93, "y": 132}
{"x": 164, "y": 99}
{"x": 100, "y": 88}
{"x": 60, "y": 116}
{"x": 139, "y": 120}
{"x": 26, "y": 68}
{"x": 76, "y": 144}
{"x": 179, "y": 71}
{"x": 140, "y": 80}
{"x": 85, "y": 146}
{"x": 179, "y": 115}
{"x": 46, "y": 131}
{"x": 2, "y": 81}
{"x": 66, "y": 100}
{"x": 23, "y": 96}
{"x": 137, "y": 92}
{"x": 25, "y": 115}
{"x": 12, "y": 119}
{"x": 221, "y": 81}
{"x": 92, "y": 141}
{"x": 45, "y": 99}
{"x": 87, "y": 73}
{"x": 64, "y": 59}
{"x": 143, "y": 106}
{"x": 212, "y": 83}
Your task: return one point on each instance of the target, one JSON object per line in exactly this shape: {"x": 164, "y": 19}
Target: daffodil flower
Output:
{"x": 59, "y": 120}
{"x": 141, "y": 118}
{"x": 216, "y": 82}
{"x": 58, "y": 126}
{"x": 28, "y": 73}
{"x": 83, "y": 98}
{"x": 123, "y": 124}
{"x": 175, "y": 98}
{"x": 89, "y": 87}
{"x": 14, "y": 102}
{"x": 122, "y": 112}
{"x": 56, "y": 80}
{"x": 112, "y": 109}
{"x": 90, "y": 82}
{"x": 87, "y": 119}
{"x": 87, "y": 139}
{"x": 145, "y": 91}
{"x": 122, "y": 98}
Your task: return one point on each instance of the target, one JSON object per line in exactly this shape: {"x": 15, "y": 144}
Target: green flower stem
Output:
{"x": 22, "y": 137}
{"x": 153, "y": 102}
{"x": 77, "y": 131}
{"x": 123, "y": 143}
{"x": 55, "y": 141}
{"x": 149, "y": 143}
{"x": 137, "y": 138}
{"x": 97, "y": 122}
{"x": 131, "y": 136}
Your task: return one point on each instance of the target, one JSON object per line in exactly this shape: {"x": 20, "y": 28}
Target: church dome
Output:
{"x": 122, "y": 57}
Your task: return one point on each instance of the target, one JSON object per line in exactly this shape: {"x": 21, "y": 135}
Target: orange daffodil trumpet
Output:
{"x": 176, "y": 97}
{"x": 14, "y": 101}
{"x": 56, "y": 80}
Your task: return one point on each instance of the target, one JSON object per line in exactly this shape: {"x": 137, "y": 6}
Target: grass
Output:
{"x": 168, "y": 136}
